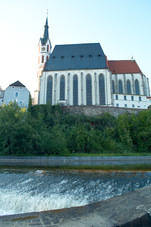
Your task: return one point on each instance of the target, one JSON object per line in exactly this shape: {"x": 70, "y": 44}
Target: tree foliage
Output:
{"x": 47, "y": 130}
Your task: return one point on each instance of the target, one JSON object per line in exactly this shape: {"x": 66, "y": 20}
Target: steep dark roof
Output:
{"x": 123, "y": 66}
{"x": 17, "y": 84}
{"x": 76, "y": 56}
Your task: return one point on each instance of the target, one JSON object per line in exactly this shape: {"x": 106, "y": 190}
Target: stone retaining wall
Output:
{"x": 99, "y": 110}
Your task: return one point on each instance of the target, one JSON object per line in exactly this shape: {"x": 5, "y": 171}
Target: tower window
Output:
{"x": 42, "y": 59}
{"x": 73, "y": 56}
{"x": 47, "y": 48}
{"x": 90, "y": 56}
{"x": 81, "y": 56}
{"x": 62, "y": 56}
{"x": 124, "y": 97}
{"x": 125, "y": 105}
{"x": 116, "y": 97}
{"x": 140, "y": 99}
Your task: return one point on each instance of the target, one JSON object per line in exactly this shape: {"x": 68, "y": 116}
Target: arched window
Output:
{"x": 49, "y": 89}
{"x": 47, "y": 48}
{"x": 47, "y": 58}
{"x": 137, "y": 90}
{"x": 101, "y": 89}
{"x": 42, "y": 59}
{"x": 62, "y": 87}
{"x": 113, "y": 86}
{"x": 75, "y": 90}
{"x": 88, "y": 90}
{"x": 128, "y": 87}
{"x": 120, "y": 87}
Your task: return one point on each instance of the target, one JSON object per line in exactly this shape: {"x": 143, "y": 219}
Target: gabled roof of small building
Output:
{"x": 76, "y": 57}
{"x": 17, "y": 84}
{"x": 123, "y": 67}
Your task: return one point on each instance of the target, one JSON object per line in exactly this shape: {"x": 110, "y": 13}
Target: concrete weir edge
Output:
{"x": 73, "y": 161}
{"x": 128, "y": 210}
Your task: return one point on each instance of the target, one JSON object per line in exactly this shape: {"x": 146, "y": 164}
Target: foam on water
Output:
{"x": 13, "y": 202}
{"x": 29, "y": 191}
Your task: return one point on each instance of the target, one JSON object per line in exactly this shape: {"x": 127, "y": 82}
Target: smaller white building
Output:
{"x": 17, "y": 92}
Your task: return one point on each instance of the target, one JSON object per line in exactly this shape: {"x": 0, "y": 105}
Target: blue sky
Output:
{"x": 123, "y": 28}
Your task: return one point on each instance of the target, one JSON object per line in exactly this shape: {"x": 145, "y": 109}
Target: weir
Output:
{"x": 37, "y": 192}
{"x": 128, "y": 210}
{"x": 72, "y": 161}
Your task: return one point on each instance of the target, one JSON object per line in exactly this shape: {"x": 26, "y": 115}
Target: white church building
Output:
{"x": 81, "y": 74}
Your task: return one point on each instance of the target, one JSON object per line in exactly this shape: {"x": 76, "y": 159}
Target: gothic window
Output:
{"x": 120, "y": 86}
{"x": 75, "y": 90}
{"x": 137, "y": 90}
{"x": 47, "y": 48}
{"x": 101, "y": 89}
{"x": 88, "y": 90}
{"x": 62, "y": 87}
{"x": 128, "y": 87}
{"x": 113, "y": 86}
{"x": 42, "y": 58}
{"x": 49, "y": 89}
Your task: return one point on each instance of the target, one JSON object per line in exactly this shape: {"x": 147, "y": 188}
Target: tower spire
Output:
{"x": 46, "y": 31}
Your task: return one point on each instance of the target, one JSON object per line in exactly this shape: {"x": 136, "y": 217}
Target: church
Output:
{"x": 81, "y": 74}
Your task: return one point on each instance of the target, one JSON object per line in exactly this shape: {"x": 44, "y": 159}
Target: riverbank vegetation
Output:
{"x": 46, "y": 130}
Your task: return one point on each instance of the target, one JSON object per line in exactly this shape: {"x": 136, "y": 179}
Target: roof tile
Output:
{"x": 86, "y": 56}
{"x": 123, "y": 66}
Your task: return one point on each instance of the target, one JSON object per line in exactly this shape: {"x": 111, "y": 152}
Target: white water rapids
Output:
{"x": 37, "y": 190}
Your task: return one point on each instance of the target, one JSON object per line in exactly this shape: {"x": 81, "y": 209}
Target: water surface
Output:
{"x": 24, "y": 190}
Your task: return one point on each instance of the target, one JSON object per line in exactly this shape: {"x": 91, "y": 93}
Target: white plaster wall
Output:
{"x": 141, "y": 78}
{"x": 143, "y": 104}
{"x": 23, "y": 95}
{"x": 105, "y": 72}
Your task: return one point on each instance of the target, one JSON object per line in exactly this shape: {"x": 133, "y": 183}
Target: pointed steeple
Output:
{"x": 46, "y": 30}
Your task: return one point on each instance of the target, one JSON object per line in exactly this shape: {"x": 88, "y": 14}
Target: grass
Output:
{"x": 84, "y": 155}
{"x": 110, "y": 154}
{"x": 126, "y": 167}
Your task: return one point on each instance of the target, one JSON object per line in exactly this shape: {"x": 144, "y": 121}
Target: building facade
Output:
{"x": 16, "y": 92}
{"x": 80, "y": 74}
{"x": 1, "y": 96}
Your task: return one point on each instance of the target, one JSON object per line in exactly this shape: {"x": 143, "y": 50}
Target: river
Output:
{"x": 28, "y": 190}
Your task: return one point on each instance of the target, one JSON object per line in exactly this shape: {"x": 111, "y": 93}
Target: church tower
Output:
{"x": 43, "y": 56}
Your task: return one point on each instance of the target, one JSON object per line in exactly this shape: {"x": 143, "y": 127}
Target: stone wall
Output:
{"x": 99, "y": 110}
